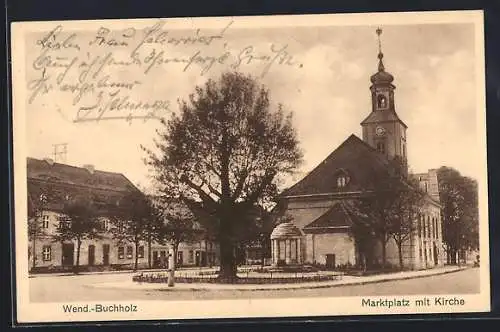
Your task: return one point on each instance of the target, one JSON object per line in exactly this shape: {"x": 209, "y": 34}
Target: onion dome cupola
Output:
{"x": 382, "y": 88}
{"x": 383, "y": 129}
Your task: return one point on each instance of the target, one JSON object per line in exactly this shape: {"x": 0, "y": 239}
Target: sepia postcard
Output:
{"x": 245, "y": 167}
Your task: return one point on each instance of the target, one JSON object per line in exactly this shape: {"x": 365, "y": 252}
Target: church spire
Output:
{"x": 381, "y": 77}
{"x": 380, "y": 54}
{"x": 383, "y": 129}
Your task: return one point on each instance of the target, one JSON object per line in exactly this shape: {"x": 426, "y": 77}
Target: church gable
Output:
{"x": 350, "y": 168}
{"x": 336, "y": 219}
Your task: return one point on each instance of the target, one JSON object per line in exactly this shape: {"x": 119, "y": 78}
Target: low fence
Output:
{"x": 242, "y": 278}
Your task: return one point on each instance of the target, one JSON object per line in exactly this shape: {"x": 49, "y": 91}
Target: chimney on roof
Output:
{"x": 49, "y": 161}
{"x": 89, "y": 168}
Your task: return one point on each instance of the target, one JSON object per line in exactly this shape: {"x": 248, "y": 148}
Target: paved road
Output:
{"x": 75, "y": 288}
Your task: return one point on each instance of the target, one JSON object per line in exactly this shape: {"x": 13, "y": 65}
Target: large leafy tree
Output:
{"x": 459, "y": 201}
{"x": 132, "y": 221}
{"x": 178, "y": 223}
{"x": 362, "y": 232}
{"x": 388, "y": 210}
{"x": 80, "y": 222}
{"x": 153, "y": 228}
{"x": 408, "y": 205}
{"x": 224, "y": 151}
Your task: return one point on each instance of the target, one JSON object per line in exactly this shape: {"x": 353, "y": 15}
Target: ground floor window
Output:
{"x": 180, "y": 257}
{"x": 47, "y": 253}
{"x": 130, "y": 251}
{"x": 121, "y": 252}
{"x": 140, "y": 252}
{"x": 191, "y": 256}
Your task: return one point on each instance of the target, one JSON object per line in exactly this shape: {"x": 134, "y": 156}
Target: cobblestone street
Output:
{"x": 79, "y": 288}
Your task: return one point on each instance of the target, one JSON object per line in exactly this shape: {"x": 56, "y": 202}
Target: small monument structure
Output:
{"x": 286, "y": 245}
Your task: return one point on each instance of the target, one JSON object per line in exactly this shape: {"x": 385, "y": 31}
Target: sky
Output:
{"x": 326, "y": 85}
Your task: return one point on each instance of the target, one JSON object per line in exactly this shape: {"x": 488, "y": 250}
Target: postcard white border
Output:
{"x": 52, "y": 312}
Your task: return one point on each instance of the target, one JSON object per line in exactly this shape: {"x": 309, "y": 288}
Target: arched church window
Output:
{"x": 381, "y": 101}
{"x": 381, "y": 147}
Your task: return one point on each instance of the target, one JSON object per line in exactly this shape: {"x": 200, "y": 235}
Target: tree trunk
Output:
{"x": 263, "y": 249}
{"x": 34, "y": 253}
{"x": 384, "y": 253}
{"x": 78, "y": 246}
{"x": 176, "y": 249}
{"x": 400, "y": 252}
{"x": 136, "y": 263}
{"x": 149, "y": 251}
{"x": 228, "y": 268}
{"x": 227, "y": 272}
{"x": 452, "y": 255}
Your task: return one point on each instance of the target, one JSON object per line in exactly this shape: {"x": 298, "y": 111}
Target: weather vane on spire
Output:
{"x": 380, "y": 54}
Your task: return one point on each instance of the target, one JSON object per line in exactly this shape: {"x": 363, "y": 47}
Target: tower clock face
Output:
{"x": 380, "y": 131}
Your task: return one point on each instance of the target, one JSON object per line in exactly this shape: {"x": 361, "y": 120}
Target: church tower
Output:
{"x": 383, "y": 129}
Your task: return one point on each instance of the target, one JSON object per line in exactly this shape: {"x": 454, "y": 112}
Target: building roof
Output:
{"x": 336, "y": 217}
{"x": 80, "y": 176}
{"x": 285, "y": 230}
{"x": 355, "y": 158}
{"x": 383, "y": 116}
{"x": 61, "y": 182}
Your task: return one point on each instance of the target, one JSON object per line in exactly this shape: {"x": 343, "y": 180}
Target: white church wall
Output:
{"x": 339, "y": 244}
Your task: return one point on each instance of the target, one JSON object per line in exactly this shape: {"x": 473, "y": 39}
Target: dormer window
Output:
{"x": 342, "y": 179}
{"x": 43, "y": 198}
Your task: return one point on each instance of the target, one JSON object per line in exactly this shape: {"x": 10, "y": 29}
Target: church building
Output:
{"x": 320, "y": 216}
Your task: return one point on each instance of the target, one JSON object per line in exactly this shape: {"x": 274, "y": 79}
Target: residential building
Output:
{"x": 51, "y": 185}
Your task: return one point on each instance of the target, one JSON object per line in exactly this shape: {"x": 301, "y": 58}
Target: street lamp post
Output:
{"x": 262, "y": 249}
{"x": 171, "y": 264}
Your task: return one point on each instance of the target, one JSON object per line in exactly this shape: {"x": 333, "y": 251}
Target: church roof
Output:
{"x": 382, "y": 116}
{"x": 337, "y": 217}
{"x": 355, "y": 158}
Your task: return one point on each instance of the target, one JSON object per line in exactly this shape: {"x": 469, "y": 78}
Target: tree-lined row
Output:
{"x": 397, "y": 207}
{"x": 391, "y": 210}
{"x": 138, "y": 219}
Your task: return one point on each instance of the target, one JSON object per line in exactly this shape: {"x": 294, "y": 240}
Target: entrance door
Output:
{"x": 156, "y": 260}
{"x": 197, "y": 258}
{"x": 68, "y": 250}
{"x": 330, "y": 261}
{"x": 203, "y": 258}
{"x": 105, "y": 254}
{"x": 91, "y": 255}
{"x": 435, "y": 255}
{"x": 163, "y": 258}
{"x": 180, "y": 258}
